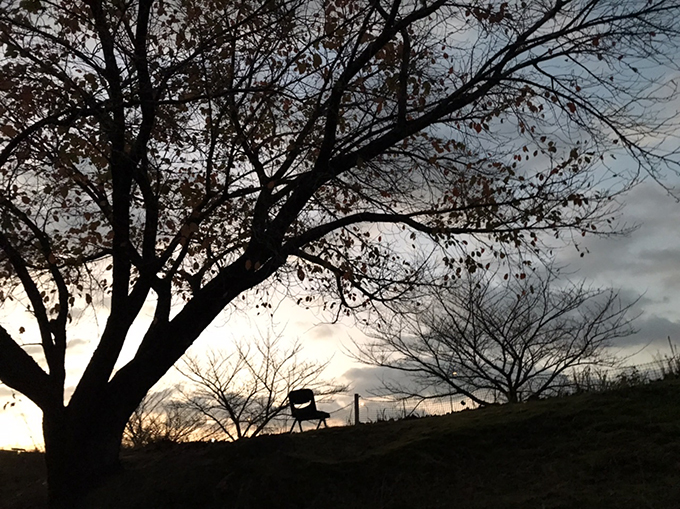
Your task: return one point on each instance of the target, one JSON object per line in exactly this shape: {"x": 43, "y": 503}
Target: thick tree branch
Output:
{"x": 19, "y": 371}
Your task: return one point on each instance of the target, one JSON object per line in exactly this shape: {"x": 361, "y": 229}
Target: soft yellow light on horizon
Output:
{"x": 20, "y": 427}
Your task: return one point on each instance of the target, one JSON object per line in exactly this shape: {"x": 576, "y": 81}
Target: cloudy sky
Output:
{"x": 646, "y": 262}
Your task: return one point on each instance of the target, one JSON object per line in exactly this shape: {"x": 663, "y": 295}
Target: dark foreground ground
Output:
{"x": 616, "y": 450}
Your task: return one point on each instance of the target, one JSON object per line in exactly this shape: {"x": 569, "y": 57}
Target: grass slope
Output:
{"x": 619, "y": 449}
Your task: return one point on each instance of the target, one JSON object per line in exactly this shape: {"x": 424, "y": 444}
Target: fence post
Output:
{"x": 356, "y": 409}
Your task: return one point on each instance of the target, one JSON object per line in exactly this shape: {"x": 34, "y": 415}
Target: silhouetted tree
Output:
{"x": 180, "y": 153}
{"x": 498, "y": 341}
{"x": 162, "y": 417}
{"x": 245, "y": 393}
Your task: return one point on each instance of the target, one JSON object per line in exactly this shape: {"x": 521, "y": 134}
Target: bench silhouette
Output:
{"x": 303, "y": 408}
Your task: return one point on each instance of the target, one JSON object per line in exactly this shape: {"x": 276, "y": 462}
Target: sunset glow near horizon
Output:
{"x": 647, "y": 262}
{"x": 21, "y": 423}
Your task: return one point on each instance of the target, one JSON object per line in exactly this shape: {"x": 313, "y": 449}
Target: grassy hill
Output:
{"x": 619, "y": 449}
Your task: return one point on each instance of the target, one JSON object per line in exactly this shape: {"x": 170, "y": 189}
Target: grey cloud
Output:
{"x": 323, "y": 331}
{"x": 645, "y": 263}
{"x": 33, "y": 349}
{"x": 653, "y": 247}
{"x": 368, "y": 380}
{"x": 621, "y": 260}
{"x": 68, "y": 392}
{"x": 76, "y": 343}
{"x": 5, "y": 392}
{"x": 653, "y": 334}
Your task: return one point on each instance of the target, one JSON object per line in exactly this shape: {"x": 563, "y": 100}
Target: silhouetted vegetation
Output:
{"x": 161, "y": 417}
{"x": 244, "y": 393}
{"x": 498, "y": 340}
{"x": 615, "y": 449}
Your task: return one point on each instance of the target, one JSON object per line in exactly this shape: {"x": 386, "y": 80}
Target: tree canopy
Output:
{"x": 187, "y": 151}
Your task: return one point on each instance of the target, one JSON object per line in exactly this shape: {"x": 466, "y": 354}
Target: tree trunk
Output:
{"x": 81, "y": 448}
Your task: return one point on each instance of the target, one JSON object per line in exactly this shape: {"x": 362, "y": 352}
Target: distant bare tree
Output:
{"x": 498, "y": 342}
{"x": 160, "y": 417}
{"x": 244, "y": 393}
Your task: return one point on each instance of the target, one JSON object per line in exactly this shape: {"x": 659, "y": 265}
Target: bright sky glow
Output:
{"x": 646, "y": 262}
